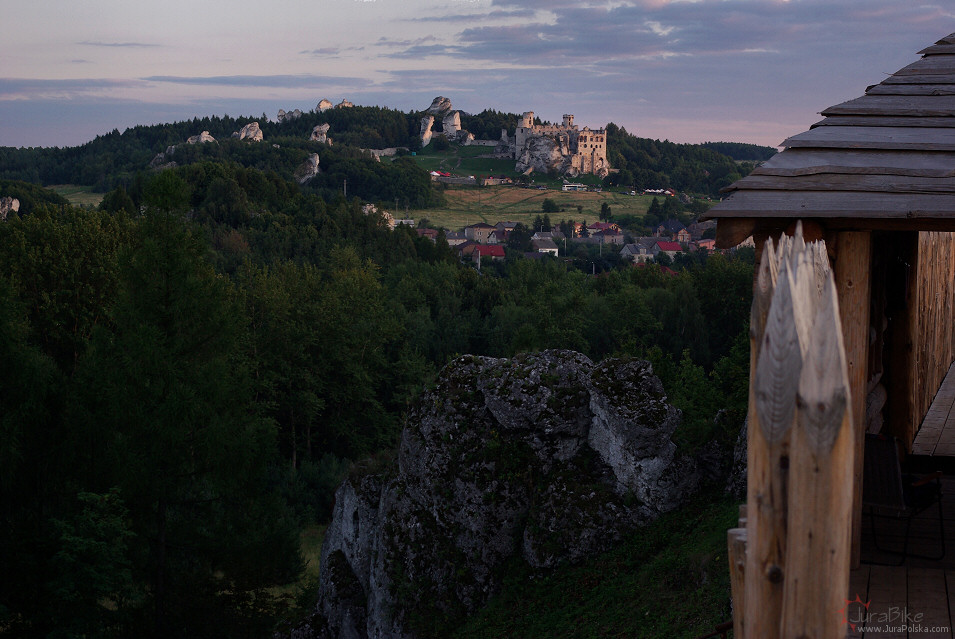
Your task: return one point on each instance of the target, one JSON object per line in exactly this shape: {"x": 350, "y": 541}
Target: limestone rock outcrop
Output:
{"x": 439, "y": 106}
{"x": 451, "y": 124}
{"x": 202, "y": 138}
{"x": 250, "y": 131}
{"x": 8, "y": 205}
{"x": 163, "y": 159}
{"x": 441, "y": 110}
{"x": 426, "y": 134}
{"x": 544, "y": 153}
{"x": 344, "y": 104}
{"x": 288, "y": 116}
{"x": 307, "y": 170}
{"x": 324, "y": 105}
{"x": 320, "y": 133}
{"x": 541, "y": 459}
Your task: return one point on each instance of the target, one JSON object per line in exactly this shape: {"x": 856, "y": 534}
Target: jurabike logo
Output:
{"x": 859, "y": 615}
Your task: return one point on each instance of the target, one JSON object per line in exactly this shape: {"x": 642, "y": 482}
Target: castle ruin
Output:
{"x": 563, "y": 148}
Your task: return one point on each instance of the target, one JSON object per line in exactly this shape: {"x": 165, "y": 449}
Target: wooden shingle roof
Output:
{"x": 883, "y": 160}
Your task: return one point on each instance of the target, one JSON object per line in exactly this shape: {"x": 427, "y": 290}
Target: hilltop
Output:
{"x": 343, "y": 138}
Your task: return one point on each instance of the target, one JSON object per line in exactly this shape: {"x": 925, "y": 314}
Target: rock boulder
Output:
{"x": 320, "y": 134}
{"x": 250, "y": 131}
{"x": 426, "y": 123}
{"x": 307, "y": 170}
{"x": 541, "y": 459}
{"x": 324, "y": 105}
{"x": 202, "y": 138}
{"x": 8, "y": 205}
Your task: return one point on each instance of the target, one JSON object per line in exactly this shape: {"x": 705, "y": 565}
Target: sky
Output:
{"x": 755, "y": 71}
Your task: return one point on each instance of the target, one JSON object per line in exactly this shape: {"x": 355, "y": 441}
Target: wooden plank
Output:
{"x": 822, "y": 463}
{"x": 887, "y": 590}
{"x": 851, "y": 272}
{"x": 938, "y": 49}
{"x": 911, "y": 89}
{"x": 736, "y": 552}
{"x": 928, "y": 78}
{"x": 807, "y": 161}
{"x": 769, "y": 204}
{"x": 878, "y": 137}
{"x": 928, "y": 602}
{"x": 885, "y": 120}
{"x": 942, "y": 105}
{"x": 928, "y": 65}
{"x": 849, "y": 182}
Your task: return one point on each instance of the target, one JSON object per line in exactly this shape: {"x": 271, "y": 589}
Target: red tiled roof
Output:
{"x": 670, "y": 246}
{"x": 489, "y": 250}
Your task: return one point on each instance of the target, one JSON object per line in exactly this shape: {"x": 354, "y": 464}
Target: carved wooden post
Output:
{"x": 821, "y": 474}
{"x": 773, "y": 383}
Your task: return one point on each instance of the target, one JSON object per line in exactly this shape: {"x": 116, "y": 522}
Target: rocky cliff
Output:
{"x": 307, "y": 169}
{"x": 442, "y": 110}
{"x": 544, "y": 153}
{"x": 320, "y": 133}
{"x": 540, "y": 459}
{"x": 250, "y": 131}
{"x": 8, "y": 205}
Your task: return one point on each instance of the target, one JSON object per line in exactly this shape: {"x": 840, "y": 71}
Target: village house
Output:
{"x": 670, "y": 248}
{"x": 431, "y": 234}
{"x": 545, "y": 246}
{"x": 674, "y": 230}
{"x": 603, "y": 226}
{"x": 455, "y": 238}
{"x": 478, "y": 232}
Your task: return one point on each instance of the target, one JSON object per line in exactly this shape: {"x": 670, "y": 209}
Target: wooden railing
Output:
{"x": 790, "y": 557}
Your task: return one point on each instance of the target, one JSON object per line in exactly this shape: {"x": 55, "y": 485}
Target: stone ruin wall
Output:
{"x": 587, "y": 148}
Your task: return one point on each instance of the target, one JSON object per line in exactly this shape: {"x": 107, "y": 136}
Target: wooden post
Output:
{"x": 773, "y": 383}
{"x": 851, "y": 270}
{"x": 736, "y": 551}
{"x": 821, "y": 471}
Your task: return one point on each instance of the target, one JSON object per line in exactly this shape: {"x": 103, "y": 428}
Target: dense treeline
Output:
{"x": 188, "y": 370}
{"x": 742, "y": 152}
{"x": 655, "y": 164}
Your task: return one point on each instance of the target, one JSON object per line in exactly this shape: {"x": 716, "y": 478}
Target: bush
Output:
{"x": 549, "y": 206}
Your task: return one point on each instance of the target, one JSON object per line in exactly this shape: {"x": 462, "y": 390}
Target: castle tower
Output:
{"x": 568, "y": 120}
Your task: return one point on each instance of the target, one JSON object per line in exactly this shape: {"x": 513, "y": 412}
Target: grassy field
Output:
{"x": 492, "y": 204}
{"x": 464, "y": 161}
{"x": 78, "y": 195}
{"x": 669, "y": 580}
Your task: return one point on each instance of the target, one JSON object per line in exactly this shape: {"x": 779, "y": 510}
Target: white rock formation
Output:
{"x": 451, "y": 124}
{"x": 320, "y": 134}
{"x": 544, "y": 153}
{"x": 344, "y": 104}
{"x": 440, "y": 106}
{"x": 386, "y": 217}
{"x": 8, "y": 205}
{"x": 250, "y": 131}
{"x": 324, "y": 105}
{"x": 284, "y": 116}
{"x": 201, "y": 138}
{"x": 426, "y": 123}
{"x": 307, "y": 170}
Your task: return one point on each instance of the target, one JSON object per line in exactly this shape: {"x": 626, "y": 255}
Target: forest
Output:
{"x": 191, "y": 368}
{"x": 115, "y": 159}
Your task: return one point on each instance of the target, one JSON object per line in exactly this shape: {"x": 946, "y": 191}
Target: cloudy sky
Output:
{"x": 684, "y": 70}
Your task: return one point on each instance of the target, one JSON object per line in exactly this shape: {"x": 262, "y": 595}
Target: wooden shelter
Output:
{"x": 874, "y": 183}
